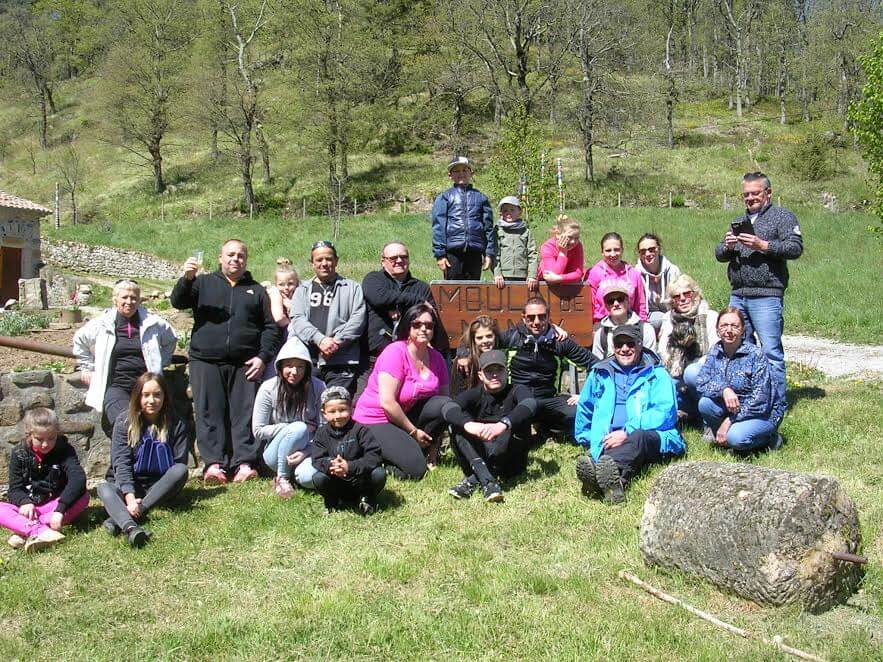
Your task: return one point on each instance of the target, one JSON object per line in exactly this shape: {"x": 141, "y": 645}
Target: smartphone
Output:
{"x": 743, "y": 227}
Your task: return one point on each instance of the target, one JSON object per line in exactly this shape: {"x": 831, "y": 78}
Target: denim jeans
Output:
{"x": 293, "y": 437}
{"x": 765, "y": 317}
{"x": 742, "y": 436}
{"x": 688, "y": 396}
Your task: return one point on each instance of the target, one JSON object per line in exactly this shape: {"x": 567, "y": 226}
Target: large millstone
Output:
{"x": 764, "y": 534}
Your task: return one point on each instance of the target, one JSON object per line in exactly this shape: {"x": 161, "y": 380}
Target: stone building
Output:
{"x": 19, "y": 242}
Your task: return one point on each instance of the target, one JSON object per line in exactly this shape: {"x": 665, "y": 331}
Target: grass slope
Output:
{"x": 236, "y": 573}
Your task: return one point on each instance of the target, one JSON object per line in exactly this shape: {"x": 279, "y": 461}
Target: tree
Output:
{"x": 867, "y": 120}
{"x": 70, "y": 168}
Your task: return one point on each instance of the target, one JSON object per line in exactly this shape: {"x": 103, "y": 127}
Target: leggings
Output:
{"x": 153, "y": 492}
{"x": 293, "y": 437}
{"x": 505, "y": 455}
{"x": 10, "y": 518}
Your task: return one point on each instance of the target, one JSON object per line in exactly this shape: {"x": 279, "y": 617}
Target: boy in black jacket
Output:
{"x": 346, "y": 456}
{"x": 491, "y": 426}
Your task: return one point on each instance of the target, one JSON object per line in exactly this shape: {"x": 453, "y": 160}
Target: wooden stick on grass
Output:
{"x": 665, "y": 597}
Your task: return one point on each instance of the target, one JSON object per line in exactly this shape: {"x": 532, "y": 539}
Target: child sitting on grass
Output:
{"x": 516, "y": 248}
{"x": 346, "y": 456}
{"x": 47, "y": 485}
{"x": 285, "y": 280}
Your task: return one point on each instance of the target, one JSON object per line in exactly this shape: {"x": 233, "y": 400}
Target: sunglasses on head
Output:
{"x": 323, "y": 243}
{"x": 125, "y": 280}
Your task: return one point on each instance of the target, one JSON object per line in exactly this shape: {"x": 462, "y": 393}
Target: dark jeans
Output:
{"x": 116, "y": 401}
{"x": 334, "y": 490}
{"x": 224, "y": 400}
{"x": 340, "y": 375}
{"x": 505, "y": 455}
{"x": 151, "y": 492}
{"x": 555, "y": 415}
{"x": 640, "y": 449}
{"x": 400, "y": 449}
{"x": 465, "y": 265}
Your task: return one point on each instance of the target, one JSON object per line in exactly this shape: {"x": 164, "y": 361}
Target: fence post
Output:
{"x": 210, "y": 211}
{"x": 57, "y": 209}
{"x": 669, "y": 199}
{"x": 304, "y": 206}
{"x": 619, "y": 199}
{"x": 162, "y": 210}
{"x": 726, "y": 206}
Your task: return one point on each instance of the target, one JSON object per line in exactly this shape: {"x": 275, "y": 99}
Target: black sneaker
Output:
{"x": 609, "y": 480}
{"x": 367, "y": 507}
{"x": 138, "y": 537}
{"x": 493, "y": 492}
{"x": 585, "y": 471}
{"x": 465, "y": 488}
{"x": 111, "y": 527}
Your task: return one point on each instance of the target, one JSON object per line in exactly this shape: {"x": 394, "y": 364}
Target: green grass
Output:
{"x": 236, "y": 573}
{"x": 834, "y": 290}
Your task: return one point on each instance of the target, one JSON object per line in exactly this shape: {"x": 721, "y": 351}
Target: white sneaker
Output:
{"x": 16, "y": 541}
{"x": 46, "y": 539}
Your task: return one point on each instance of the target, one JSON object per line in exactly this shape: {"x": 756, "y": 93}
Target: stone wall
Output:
{"x": 66, "y": 395}
{"x": 108, "y": 261}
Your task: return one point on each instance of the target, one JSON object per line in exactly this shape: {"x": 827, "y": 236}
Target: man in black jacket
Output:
{"x": 234, "y": 337}
{"x": 537, "y": 359}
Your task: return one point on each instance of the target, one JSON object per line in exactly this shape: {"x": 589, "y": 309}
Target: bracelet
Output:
{"x": 413, "y": 433}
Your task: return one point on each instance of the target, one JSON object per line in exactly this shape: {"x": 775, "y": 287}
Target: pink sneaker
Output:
{"x": 284, "y": 488}
{"x": 214, "y": 475}
{"x": 244, "y": 473}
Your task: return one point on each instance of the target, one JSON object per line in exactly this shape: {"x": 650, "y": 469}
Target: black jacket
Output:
{"x": 383, "y": 295}
{"x": 232, "y": 323}
{"x": 514, "y": 401}
{"x": 59, "y": 475}
{"x": 122, "y": 456}
{"x": 355, "y": 443}
{"x": 536, "y": 362}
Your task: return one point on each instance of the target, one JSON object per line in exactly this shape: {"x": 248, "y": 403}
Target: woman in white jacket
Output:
{"x": 657, "y": 273}
{"x": 114, "y": 349}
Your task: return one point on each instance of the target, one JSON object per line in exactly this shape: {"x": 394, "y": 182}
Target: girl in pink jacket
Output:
{"x": 611, "y": 269}
{"x": 561, "y": 257}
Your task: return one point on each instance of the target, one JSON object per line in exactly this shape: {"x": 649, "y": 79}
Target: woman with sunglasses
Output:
{"x": 114, "y": 349}
{"x": 688, "y": 331}
{"x": 657, "y": 273}
{"x": 616, "y": 299}
{"x": 406, "y": 394}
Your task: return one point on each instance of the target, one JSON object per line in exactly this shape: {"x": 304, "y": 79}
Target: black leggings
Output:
{"x": 505, "y": 455}
{"x": 152, "y": 493}
{"x": 400, "y": 449}
{"x": 334, "y": 489}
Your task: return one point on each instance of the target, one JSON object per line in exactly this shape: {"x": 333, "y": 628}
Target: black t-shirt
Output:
{"x": 321, "y": 297}
{"x": 126, "y": 358}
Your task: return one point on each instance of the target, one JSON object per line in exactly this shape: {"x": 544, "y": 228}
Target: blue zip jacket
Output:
{"x": 462, "y": 219}
{"x": 651, "y": 405}
{"x": 748, "y": 374}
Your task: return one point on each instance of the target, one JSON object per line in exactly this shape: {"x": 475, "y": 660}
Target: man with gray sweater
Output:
{"x": 756, "y": 247}
{"x": 328, "y": 315}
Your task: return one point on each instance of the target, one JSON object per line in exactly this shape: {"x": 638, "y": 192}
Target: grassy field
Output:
{"x": 834, "y": 290}
{"x": 234, "y": 573}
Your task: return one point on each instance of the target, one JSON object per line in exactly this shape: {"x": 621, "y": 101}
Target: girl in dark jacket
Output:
{"x": 47, "y": 485}
{"x": 148, "y": 458}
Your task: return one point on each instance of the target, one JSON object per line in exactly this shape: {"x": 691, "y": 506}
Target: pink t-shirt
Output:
{"x": 396, "y": 361}
{"x": 571, "y": 266}
{"x": 602, "y": 276}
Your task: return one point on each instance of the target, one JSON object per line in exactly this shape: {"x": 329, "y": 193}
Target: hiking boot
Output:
{"x": 111, "y": 527}
{"x": 776, "y": 442}
{"x": 137, "y": 536}
{"x": 708, "y": 434}
{"x": 367, "y": 506}
{"x": 465, "y": 488}
{"x": 46, "y": 539}
{"x": 610, "y": 480}
{"x": 16, "y": 541}
{"x": 244, "y": 473}
{"x": 492, "y": 492}
{"x": 214, "y": 475}
{"x": 585, "y": 471}
{"x": 283, "y": 487}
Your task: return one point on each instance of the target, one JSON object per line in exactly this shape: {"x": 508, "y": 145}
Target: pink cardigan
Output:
{"x": 570, "y": 266}
{"x": 601, "y": 277}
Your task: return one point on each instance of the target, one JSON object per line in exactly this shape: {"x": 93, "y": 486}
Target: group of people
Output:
{"x": 331, "y": 384}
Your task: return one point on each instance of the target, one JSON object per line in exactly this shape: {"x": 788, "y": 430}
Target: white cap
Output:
{"x": 509, "y": 200}
{"x": 459, "y": 160}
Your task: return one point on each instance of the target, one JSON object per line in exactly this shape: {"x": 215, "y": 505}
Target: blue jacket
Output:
{"x": 748, "y": 374}
{"x": 462, "y": 218}
{"x": 651, "y": 405}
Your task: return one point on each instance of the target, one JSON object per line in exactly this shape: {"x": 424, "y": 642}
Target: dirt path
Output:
{"x": 835, "y": 359}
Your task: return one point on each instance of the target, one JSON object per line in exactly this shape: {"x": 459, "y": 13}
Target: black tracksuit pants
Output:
{"x": 465, "y": 264}
{"x": 640, "y": 449}
{"x": 334, "y": 490}
{"x": 505, "y": 456}
{"x": 151, "y": 492}
{"x": 555, "y": 415}
{"x": 224, "y": 400}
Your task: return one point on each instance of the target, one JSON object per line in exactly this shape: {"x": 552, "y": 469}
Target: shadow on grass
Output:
{"x": 795, "y": 395}
{"x": 536, "y": 470}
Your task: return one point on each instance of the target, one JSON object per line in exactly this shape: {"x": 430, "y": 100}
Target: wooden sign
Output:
{"x": 460, "y": 302}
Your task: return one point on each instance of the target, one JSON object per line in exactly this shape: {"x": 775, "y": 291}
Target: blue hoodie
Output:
{"x": 651, "y": 405}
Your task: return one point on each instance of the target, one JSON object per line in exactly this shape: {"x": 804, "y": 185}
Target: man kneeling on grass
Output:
{"x": 491, "y": 429}
{"x": 626, "y": 416}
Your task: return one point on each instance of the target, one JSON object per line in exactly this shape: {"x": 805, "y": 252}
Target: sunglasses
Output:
{"x": 682, "y": 295}
{"x": 397, "y": 258}
{"x": 614, "y": 298}
{"x": 417, "y": 324}
{"x": 536, "y": 318}
{"x": 628, "y": 343}
{"x": 648, "y": 250}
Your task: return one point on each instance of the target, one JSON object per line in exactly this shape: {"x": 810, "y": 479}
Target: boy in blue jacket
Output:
{"x": 463, "y": 238}
{"x": 626, "y": 416}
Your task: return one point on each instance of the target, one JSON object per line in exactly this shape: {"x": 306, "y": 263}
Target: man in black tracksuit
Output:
{"x": 234, "y": 337}
{"x": 536, "y": 360}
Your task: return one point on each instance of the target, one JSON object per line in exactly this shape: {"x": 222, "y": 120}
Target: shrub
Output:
{"x": 812, "y": 159}
{"x": 18, "y": 323}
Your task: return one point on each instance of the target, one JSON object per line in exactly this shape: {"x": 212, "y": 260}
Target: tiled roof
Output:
{"x": 13, "y": 202}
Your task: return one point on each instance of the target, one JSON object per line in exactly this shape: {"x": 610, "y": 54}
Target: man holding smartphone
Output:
{"x": 756, "y": 247}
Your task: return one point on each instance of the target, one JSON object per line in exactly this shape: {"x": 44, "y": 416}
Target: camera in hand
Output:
{"x": 742, "y": 227}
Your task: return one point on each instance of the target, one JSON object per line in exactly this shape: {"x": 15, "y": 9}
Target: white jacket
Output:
{"x": 94, "y": 342}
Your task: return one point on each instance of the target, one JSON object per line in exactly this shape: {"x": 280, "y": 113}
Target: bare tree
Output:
{"x": 70, "y": 168}
{"x": 738, "y": 20}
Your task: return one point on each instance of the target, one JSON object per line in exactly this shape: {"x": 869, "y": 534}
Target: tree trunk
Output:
{"x": 245, "y": 162}
{"x": 670, "y": 96}
{"x": 50, "y": 99}
{"x": 44, "y": 121}
{"x": 75, "y": 215}
{"x": 264, "y": 149}
{"x": 215, "y": 152}
{"x": 159, "y": 184}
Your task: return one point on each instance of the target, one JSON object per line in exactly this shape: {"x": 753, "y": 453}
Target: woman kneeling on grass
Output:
{"x": 286, "y": 416}
{"x": 738, "y": 403}
{"x": 47, "y": 485}
{"x": 148, "y": 459}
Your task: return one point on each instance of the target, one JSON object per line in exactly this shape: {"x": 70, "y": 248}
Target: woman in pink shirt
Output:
{"x": 612, "y": 270}
{"x": 406, "y": 393}
{"x": 561, "y": 257}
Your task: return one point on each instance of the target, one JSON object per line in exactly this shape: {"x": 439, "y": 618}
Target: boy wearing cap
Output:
{"x": 463, "y": 239}
{"x": 516, "y": 248}
{"x": 346, "y": 456}
{"x": 626, "y": 417}
{"x": 491, "y": 429}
